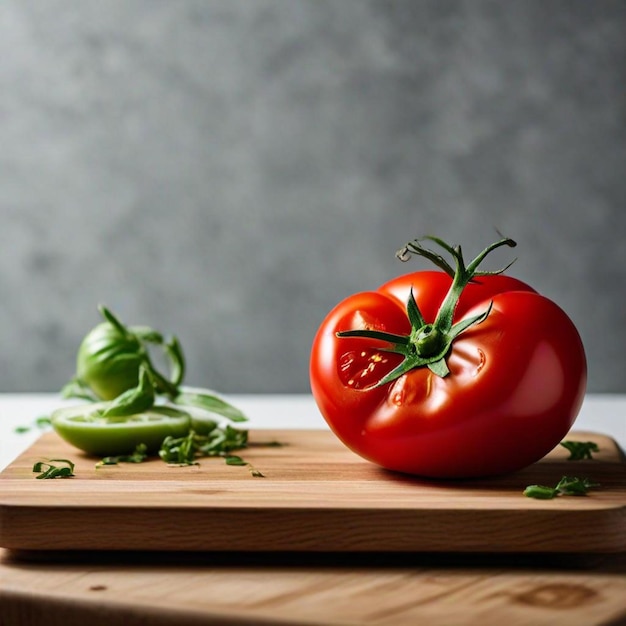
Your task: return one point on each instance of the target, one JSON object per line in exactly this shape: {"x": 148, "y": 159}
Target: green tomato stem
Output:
{"x": 429, "y": 343}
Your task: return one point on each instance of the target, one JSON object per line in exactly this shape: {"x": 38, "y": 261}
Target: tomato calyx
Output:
{"x": 428, "y": 343}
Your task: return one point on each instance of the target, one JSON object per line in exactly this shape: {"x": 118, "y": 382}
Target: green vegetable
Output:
{"x": 567, "y": 486}
{"x": 135, "y": 410}
{"x": 109, "y": 359}
{"x": 114, "y": 359}
{"x": 48, "y": 470}
{"x": 131, "y": 402}
{"x": 86, "y": 428}
{"x": 580, "y": 449}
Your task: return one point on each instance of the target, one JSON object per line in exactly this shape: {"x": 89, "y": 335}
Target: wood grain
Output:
{"x": 316, "y": 496}
{"x": 339, "y": 590}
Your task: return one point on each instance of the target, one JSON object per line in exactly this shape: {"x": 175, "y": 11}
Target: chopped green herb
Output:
{"x": 540, "y": 492}
{"x": 265, "y": 444}
{"x": 232, "y": 459}
{"x": 48, "y": 470}
{"x": 41, "y": 422}
{"x": 580, "y": 449}
{"x": 220, "y": 442}
{"x": 567, "y": 486}
{"x": 185, "y": 450}
{"x": 139, "y": 455}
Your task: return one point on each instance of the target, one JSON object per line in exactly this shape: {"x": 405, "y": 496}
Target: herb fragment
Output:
{"x": 41, "y": 423}
{"x": 48, "y": 470}
{"x": 185, "y": 450}
{"x": 567, "y": 486}
{"x": 580, "y": 449}
{"x": 237, "y": 460}
{"x": 138, "y": 456}
{"x": 220, "y": 442}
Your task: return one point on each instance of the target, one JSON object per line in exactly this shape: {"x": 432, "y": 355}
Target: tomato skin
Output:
{"x": 431, "y": 287}
{"x": 516, "y": 382}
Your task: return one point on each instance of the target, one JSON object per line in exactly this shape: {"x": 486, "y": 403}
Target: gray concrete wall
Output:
{"x": 228, "y": 170}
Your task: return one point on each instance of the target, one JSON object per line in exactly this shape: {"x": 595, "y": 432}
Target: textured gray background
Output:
{"x": 228, "y": 170}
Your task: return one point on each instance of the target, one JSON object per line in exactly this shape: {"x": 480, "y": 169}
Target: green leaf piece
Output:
{"x": 413, "y": 312}
{"x": 540, "y": 492}
{"x": 567, "y": 486}
{"x": 139, "y": 455}
{"x": 232, "y": 459}
{"x": 133, "y": 401}
{"x": 439, "y": 367}
{"x": 580, "y": 450}
{"x": 210, "y": 402}
{"x": 47, "y": 469}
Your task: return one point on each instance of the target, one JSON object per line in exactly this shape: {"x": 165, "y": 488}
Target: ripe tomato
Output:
{"x": 510, "y": 389}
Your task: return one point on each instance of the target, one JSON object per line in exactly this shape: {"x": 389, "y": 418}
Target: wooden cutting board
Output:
{"x": 315, "y": 496}
{"x": 365, "y": 589}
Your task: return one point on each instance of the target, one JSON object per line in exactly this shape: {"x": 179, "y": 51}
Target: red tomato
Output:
{"x": 515, "y": 384}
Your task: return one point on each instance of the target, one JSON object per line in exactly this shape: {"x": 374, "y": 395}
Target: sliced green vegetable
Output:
{"x": 86, "y": 428}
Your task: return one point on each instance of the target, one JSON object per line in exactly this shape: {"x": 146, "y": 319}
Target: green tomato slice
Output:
{"x": 83, "y": 427}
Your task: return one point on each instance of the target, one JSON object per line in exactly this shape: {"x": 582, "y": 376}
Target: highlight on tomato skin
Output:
{"x": 494, "y": 398}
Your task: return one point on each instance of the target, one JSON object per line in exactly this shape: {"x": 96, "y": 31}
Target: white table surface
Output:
{"x": 601, "y": 413}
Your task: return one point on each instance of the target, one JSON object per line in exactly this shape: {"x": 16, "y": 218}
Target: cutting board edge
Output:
{"x": 336, "y": 530}
{"x": 429, "y": 529}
